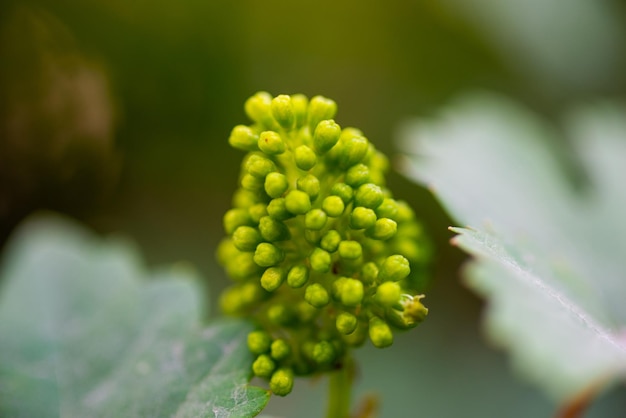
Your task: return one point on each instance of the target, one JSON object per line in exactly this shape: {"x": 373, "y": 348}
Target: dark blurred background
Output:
{"x": 117, "y": 113}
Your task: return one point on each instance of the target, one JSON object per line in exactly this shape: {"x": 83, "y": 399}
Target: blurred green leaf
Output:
{"x": 84, "y": 331}
{"x": 549, "y": 257}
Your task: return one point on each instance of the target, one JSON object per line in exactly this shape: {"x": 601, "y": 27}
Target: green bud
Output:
{"x": 387, "y": 209}
{"x": 326, "y": 136}
{"x": 246, "y": 238}
{"x": 346, "y": 323}
{"x": 251, "y": 292}
{"x": 388, "y": 294}
{"x": 280, "y": 314}
{"x": 282, "y": 110}
{"x": 267, "y": 255}
{"x": 351, "y": 151}
{"x": 324, "y": 353}
{"x": 405, "y": 213}
{"x": 277, "y": 209}
{"x": 276, "y": 184}
{"x": 362, "y": 218}
{"x": 243, "y": 138}
{"x": 241, "y": 266}
{"x": 298, "y": 276}
{"x": 305, "y": 157}
{"x": 300, "y": 103}
{"x": 244, "y": 198}
{"x": 272, "y": 230}
{"x": 306, "y": 312}
{"x": 259, "y": 166}
{"x": 263, "y": 366}
{"x": 394, "y": 268}
{"x": 351, "y": 292}
{"x": 235, "y": 218}
{"x": 316, "y": 295}
{"x": 259, "y": 342}
{"x": 368, "y": 195}
{"x": 383, "y": 229}
{"x": 281, "y": 382}
{"x": 272, "y": 278}
{"x": 320, "y": 260}
{"x": 298, "y": 202}
{"x": 333, "y": 206}
{"x": 251, "y": 183}
{"x": 257, "y": 211}
{"x": 350, "y": 250}
{"x": 320, "y": 108}
{"x": 315, "y": 219}
{"x": 380, "y": 333}
{"x": 344, "y": 191}
{"x": 310, "y": 185}
{"x": 258, "y": 108}
{"x": 369, "y": 272}
{"x": 271, "y": 143}
{"x": 357, "y": 175}
{"x": 330, "y": 241}
{"x": 279, "y": 349}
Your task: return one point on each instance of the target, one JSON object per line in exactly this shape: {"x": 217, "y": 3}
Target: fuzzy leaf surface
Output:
{"x": 548, "y": 255}
{"x": 86, "y": 332}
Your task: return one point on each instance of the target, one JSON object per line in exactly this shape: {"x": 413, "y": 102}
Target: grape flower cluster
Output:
{"x": 321, "y": 254}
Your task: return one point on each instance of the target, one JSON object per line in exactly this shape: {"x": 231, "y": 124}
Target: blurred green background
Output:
{"x": 118, "y": 113}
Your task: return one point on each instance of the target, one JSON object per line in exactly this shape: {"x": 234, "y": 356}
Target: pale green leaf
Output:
{"x": 86, "y": 332}
{"x": 549, "y": 254}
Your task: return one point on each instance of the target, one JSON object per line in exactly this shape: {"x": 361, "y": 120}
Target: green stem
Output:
{"x": 339, "y": 391}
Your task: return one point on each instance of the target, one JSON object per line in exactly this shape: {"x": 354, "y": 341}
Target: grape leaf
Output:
{"x": 548, "y": 252}
{"x": 84, "y": 331}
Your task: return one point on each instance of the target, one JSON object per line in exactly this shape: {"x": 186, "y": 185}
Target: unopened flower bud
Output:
{"x": 369, "y": 272}
{"x": 320, "y": 108}
{"x": 383, "y": 229}
{"x": 246, "y": 238}
{"x": 298, "y": 202}
{"x": 320, "y": 260}
{"x": 243, "y": 138}
{"x": 272, "y": 230}
{"x": 258, "y": 108}
{"x": 267, "y": 255}
{"x": 305, "y": 157}
{"x": 350, "y": 250}
{"x": 323, "y": 352}
{"x": 346, "y": 323}
{"x": 388, "y": 293}
{"x": 282, "y": 110}
{"x": 357, "y": 175}
{"x": 235, "y": 218}
{"x": 277, "y": 209}
{"x": 368, "y": 195}
{"x": 326, "y": 136}
{"x": 272, "y": 278}
{"x": 315, "y": 219}
{"x": 263, "y": 366}
{"x": 281, "y": 382}
{"x": 279, "y": 349}
{"x": 310, "y": 185}
{"x": 351, "y": 292}
{"x": 298, "y": 276}
{"x": 300, "y": 104}
{"x": 387, "y": 209}
{"x": 259, "y": 342}
{"x": 362, "y": 218}
{"x": 316, "y": 295}
{"x": 344, "y": 191}
{"x": 380, "y": 333}
{"x": 259, "y": 166}
{"x": 394, "y": 268}
{"x": 330, "y": 241}
{"x": 333, "y": 206}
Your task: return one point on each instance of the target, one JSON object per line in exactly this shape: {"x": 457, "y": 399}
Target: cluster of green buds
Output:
{"x": 321, "y": 254}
